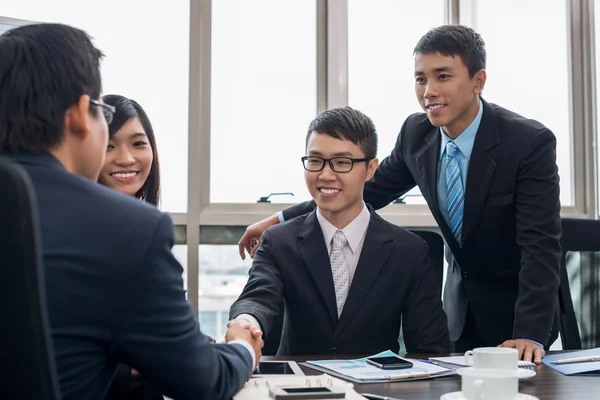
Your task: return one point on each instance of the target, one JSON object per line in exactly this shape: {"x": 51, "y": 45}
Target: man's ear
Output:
{"x": 480, "y": 77}
{"x": 77, "y": 117}
{"x": 372, "y": 167}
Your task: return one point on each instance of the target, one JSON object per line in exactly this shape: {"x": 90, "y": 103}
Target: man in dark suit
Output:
{"x": 490, "y": 179}
{"x": 348, "y": 277}
{"x": 115, "y": 291}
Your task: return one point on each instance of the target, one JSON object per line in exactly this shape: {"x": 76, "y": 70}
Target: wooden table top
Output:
{"x": 546, "y": 385}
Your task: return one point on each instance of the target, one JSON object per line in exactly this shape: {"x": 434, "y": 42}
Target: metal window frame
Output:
{"x": 332, "y": 91}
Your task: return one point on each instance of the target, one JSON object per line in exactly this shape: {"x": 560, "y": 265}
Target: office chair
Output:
{"x": 579, "y": 294}
{"x": 27, "y": 356}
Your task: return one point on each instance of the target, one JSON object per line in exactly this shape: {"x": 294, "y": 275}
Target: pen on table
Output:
{"x": 576, "y": 360}
{"x": 406, "y": 376}
{"x": 372, "y": 396}
{"x": 429, "y": 362}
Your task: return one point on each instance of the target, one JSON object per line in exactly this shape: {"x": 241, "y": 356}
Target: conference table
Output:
{"x": 546, "y": 385}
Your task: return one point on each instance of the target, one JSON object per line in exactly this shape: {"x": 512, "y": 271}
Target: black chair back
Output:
{"x": 27, "y": 357}
{"x": 579, "y": 295}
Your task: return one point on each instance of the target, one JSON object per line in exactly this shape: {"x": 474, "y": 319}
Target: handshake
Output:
{"x": 242, "y": 329}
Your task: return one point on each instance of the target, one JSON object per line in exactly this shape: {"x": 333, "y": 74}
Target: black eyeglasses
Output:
{"x": 337, "y": 164}
{"x": 107, "y": 110}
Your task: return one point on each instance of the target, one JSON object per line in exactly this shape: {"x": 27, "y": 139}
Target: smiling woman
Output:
{"x": 131, "y": 165}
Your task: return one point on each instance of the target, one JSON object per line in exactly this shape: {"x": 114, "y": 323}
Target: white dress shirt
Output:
{"x": 355, "y": 233}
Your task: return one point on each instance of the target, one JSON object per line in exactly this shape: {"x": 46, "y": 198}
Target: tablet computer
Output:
{"x": 270, "y": 368}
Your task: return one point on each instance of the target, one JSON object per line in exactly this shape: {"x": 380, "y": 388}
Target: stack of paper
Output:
{"x": 582, "y": 362}
{"x": 360, "y": 371}
{"x": 258, "y": 388}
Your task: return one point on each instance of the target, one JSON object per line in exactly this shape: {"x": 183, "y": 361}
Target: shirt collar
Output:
{"x": 465, "y": 140}
{"x": 354, "y": 231}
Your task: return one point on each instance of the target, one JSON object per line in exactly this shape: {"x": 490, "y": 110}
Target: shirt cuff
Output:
{"x": 280, "y": 216}
{"x": 248, "y": 347}
{"x": 250, "y": 319}
{"x": 533, "y": 341}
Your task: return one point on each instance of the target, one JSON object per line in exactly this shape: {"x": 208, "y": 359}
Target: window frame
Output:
{"x": 332, "y": 91}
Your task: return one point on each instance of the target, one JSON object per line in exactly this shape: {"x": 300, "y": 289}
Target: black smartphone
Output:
{"x": 389, "y": 362}
{"x": 305, "y": 393}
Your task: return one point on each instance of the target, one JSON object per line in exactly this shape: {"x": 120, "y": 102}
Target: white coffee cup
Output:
{"x": 489, "y": 384}
{"x": 493, "y": 357}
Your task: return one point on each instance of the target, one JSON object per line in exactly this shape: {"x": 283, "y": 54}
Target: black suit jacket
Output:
{"x": 508, "y": 266}
{"x": 115, "y": 294}
{"x": 394, "y": 278}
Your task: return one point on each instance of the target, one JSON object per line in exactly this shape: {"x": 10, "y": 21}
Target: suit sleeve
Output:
{"x": 424, "y": 322}
{"x": 538, "y": 235}
{"x": 158, "y": 335}
{"x": 263, "y": 294}
{"x": 391, "y": 180}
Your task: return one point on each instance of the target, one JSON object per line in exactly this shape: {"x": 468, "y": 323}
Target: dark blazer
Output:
{"x": 394, "y": 278}
{"x": 508, "y": 267}
{"x": 115, "y": 293}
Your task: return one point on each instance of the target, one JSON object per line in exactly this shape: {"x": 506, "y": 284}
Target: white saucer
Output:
{"x": 459, "y": 396}
{"x": 522, "y": 373}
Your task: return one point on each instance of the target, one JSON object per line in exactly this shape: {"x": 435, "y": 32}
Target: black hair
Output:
{"x": 347, "y": 123}
{"x": 455, "y": 40}
{"x": 44, "y": 70}
{"x": 125, "y": 110}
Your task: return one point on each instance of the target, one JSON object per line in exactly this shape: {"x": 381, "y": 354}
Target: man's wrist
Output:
{"x": 532, "y": 341}
{"x": 280, "y": 217}
{"x": 248, "y": 347}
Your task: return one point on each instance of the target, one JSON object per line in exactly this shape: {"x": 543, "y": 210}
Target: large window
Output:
{"x": 146, "y": 45}
{"x": 223, "y": 275}
{"x": 528, "y": 68}
{"x": 381, "y": 37}
{"x": 381, "y": 77}
{"x": 263, "y": 96}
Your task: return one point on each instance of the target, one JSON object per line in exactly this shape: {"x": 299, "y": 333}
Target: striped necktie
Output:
{"x": 339, "y": 269}
{"x": 455, "y": 193}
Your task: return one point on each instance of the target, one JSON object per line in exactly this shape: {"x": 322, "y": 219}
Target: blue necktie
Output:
{"x": 454, "y": 190}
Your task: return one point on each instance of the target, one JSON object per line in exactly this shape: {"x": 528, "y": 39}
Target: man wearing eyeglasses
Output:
{"x": 345, "y": 277}
{"x": 114, "y": 289}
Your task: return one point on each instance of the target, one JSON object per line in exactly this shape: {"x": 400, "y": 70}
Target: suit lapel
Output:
{"x": 427, "y": 165}
{"x": 481, "y": 171}
{"x": 314, "y": 253}
{"x": 374, "y": 254}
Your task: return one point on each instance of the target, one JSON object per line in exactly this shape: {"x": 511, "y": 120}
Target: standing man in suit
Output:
{"x": 115, "y": 292}
{"x": 347, "y": 276}
{"x": 490, "y": 179}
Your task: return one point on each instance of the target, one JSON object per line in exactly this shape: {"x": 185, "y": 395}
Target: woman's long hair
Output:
{"x": 126, "y": 109}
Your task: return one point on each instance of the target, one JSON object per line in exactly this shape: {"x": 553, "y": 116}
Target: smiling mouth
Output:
{"x": 329, "y": 191}
{"x": 124, "y": 175}
{"x": 433, "y": 107}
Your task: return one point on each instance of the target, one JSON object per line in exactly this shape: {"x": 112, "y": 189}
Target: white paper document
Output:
{"x": 360, "y": 371}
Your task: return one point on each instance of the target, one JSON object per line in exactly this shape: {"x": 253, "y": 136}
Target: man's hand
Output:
{"x": 253, "y": 235}
{"x": 253, "y": 328}
{"x": 528, "y": 351}
{"x": 235, "y": 331}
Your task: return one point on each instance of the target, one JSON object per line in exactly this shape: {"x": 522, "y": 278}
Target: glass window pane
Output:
{"x": 147, "y": 59}
{"x": 223, "y": 276}
{"x": 381, "y": 78}
{"x": 597, "y": 49}
{"x": 208, "y": 323}
{"x": 534, "y": 84}
{"x": 263, "y": 94}
{"x": 180, "y": 253}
